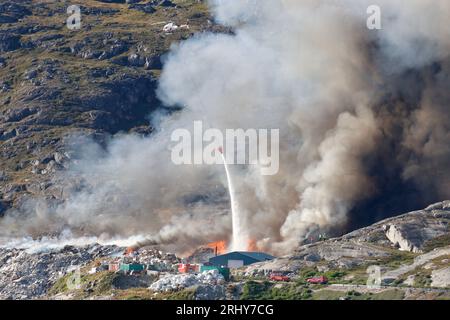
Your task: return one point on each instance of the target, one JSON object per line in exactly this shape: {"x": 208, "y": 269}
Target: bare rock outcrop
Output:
{"x": 399, "y": 238}
{"x": 441, "y": 278}
{"x": 411, "y": 231}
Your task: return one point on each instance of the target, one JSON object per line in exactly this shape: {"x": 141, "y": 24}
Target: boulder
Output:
{"x": 400, "y": 238}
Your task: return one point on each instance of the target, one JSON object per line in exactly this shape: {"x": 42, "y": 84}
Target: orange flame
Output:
{"x": 220, "y": 245}
{"x": 252, "y": 246}
{"x": 130, "y": 250}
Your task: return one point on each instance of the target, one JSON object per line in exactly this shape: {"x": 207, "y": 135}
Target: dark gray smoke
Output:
{"x": 363, "y": 118}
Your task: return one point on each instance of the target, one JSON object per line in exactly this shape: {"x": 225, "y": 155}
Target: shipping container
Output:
{"x": 132, "y": 267}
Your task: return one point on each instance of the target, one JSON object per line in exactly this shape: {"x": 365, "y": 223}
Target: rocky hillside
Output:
{"x": 411, "y": 249}
{"x": 96, "y": 81}
{"x": 99, "y": 81}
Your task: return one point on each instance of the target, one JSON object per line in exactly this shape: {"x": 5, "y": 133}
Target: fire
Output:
{"x": 130, "y": 250}
{"x": 252, "y": 246}
{"x": 220, "y": 245}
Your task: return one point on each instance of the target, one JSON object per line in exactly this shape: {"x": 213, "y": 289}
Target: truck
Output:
{"x": 279, "y": 276}
{"x": 317, "y": 280}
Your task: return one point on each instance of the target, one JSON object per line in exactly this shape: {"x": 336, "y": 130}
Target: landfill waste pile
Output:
{"x": 41, "y": 271}
{"x": 201, "y": 255}
{"x": 183, "y": 281}
{"x": 27, "y": 275}
{"x": 157, "y": 260}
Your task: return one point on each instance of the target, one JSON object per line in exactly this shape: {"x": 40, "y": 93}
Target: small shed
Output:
{"x": 113, "y": 267}
{"x": 238, "y": 259}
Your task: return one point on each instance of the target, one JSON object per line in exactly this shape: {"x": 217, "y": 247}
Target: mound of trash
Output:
{"x": 183, "y": 281}
{"x": 28, "y": 275}
{"x": 156, "y": 260}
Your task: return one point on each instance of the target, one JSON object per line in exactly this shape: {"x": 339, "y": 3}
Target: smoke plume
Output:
{"x": 363, "y": 118}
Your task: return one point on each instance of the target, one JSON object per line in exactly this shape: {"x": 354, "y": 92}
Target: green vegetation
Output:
{"x": 133, "y": 294}
{"x": 266, "y": 290}
{"x": 100, "y": 285}
{"x": 422, "y": 279}
{"x": 422, "y": 275}
{"x": 60, "y": 286}
{"x": 145, "y": 294}
{"x": 396, "y": 259}
{"x": 437, "y": 242}
{"x": 326, "y": 294}
{"x": 253, "y": 290}
{"x": 377, "y": 236}
{"x": 357, "y": 275}
{"x": 187, "y": 294}
{"x": 335, "y": 276}
{"x": 307, "y": 272}
{"x": 395, "y": 294}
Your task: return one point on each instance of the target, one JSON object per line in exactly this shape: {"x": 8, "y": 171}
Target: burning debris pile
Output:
{"x": 201, "y": 255}
{"x": 204, "y": 253}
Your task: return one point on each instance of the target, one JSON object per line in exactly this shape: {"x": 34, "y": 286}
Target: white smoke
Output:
{"x": 66, "y": 238}
{"x": 304, "y": 67}
{"x": 310, "y": 68}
